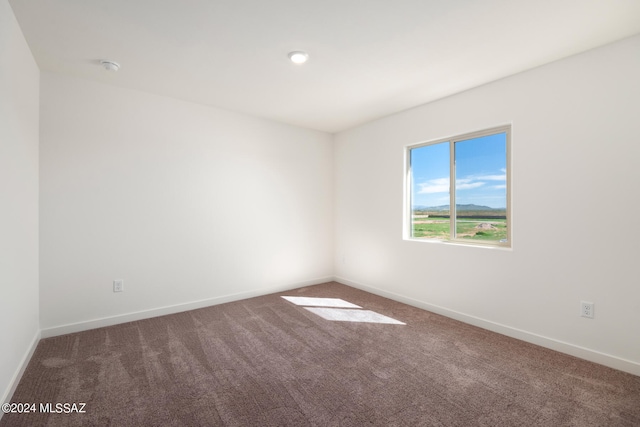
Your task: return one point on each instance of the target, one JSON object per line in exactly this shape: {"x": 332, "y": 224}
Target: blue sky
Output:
{"x": 480, "y": 172}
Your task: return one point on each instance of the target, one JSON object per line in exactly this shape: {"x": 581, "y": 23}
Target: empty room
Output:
{"x": 336, "y": 213}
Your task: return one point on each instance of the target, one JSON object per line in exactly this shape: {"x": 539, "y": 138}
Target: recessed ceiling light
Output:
{"x": 110, "y": 65}
{"x": 298, "y": 57}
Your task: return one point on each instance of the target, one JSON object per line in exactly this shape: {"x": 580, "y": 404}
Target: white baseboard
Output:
{"x": 171, "y": 309}
{"x": 15, "y": 380}
{"x": 551, "y": 343}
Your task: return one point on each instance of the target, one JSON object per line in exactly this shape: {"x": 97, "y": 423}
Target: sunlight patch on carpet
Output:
{"x": 321, "y": 302}
{"x": 339, "y": 310}
{"x": 349, "y": 315}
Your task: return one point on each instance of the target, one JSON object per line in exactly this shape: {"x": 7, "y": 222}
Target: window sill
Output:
{"x": 484, "y": 245}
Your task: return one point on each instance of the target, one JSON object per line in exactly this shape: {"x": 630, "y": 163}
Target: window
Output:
{"x": 458, "y": 189}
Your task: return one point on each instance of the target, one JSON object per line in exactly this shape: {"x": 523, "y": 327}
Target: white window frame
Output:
{"x": 408, "y": 222}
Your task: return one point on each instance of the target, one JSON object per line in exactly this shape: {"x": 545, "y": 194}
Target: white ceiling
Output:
{"x": 368, "y": 58}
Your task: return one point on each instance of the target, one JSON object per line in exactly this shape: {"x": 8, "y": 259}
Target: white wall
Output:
{"x": 575, "y": 153}
{"x": 183, "y": 202}
{"x": 19, "y": 81}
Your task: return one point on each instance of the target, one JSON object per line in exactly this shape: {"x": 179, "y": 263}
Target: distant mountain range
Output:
{"x": 459, "y": 208}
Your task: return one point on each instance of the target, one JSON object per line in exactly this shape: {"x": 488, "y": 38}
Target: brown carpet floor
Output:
{"x": 268, "y": 362}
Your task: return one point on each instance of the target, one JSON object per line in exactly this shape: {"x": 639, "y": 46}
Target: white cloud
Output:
{"x": 460, "y": 185}
{"x": 489, "y": 177}
{"x": 439, "y": 185}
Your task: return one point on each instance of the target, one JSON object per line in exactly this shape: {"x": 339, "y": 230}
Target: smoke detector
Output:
{"x": 110, "y": 65}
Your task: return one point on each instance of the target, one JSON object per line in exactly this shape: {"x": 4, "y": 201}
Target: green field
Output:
{"x": 437, "y": 227}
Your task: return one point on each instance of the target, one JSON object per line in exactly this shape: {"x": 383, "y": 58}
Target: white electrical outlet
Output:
{"x": 118, "y": 285}
{"x": 586, "y": 309}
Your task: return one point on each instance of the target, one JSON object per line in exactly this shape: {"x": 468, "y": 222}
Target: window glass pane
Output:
{"x": 430, "y": 201}
{"x": 481, "y": 188}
